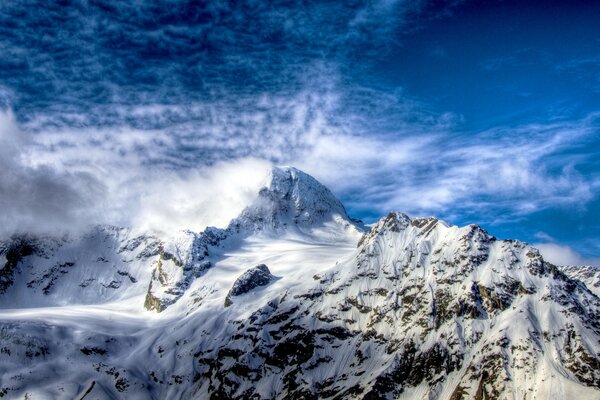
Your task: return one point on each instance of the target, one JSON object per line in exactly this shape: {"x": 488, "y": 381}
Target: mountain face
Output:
{"x": 295, "y": 300}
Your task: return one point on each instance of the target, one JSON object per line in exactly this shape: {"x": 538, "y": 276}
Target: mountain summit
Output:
{"x": 291, "y": 198}
{"x": 295, "y": 300}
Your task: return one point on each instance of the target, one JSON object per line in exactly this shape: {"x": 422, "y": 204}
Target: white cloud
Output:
{"x": 377, "y": 150}
{"x": 563, "y": 255}
{"x": 195, "y": 199}
{"x": 66, "y": 180}
{"x": 510, "y": 170}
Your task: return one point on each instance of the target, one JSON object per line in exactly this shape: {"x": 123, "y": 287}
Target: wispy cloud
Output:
{"x": 84, "y": 57}
{"x": 423, "y": 167}
{"x": 508, "y": 170}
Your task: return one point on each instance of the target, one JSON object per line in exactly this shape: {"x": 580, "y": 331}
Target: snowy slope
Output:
{"x": 106, "y": 264}
{"x": 412, "y": 308}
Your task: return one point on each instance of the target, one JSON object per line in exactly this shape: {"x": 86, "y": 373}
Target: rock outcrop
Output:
{"x": 249, "y": 280}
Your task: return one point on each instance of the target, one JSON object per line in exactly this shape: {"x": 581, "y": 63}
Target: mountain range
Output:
{"x": 294, "y": 299}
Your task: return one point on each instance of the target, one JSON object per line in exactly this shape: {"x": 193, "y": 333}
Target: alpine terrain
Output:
{"x": 294, "y": 299}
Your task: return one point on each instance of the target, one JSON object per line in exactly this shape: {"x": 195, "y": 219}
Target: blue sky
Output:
{"x": 476, "y": 112}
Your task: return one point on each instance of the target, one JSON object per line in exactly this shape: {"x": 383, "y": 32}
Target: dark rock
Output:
{"x": 251, "y": 279}
{"x": 14, "y": 253}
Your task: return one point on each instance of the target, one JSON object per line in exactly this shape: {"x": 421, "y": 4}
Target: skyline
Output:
{"x": 470, "y": 112}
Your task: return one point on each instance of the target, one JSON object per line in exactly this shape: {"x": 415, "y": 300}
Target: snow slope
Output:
{"x": 411, "y": 309}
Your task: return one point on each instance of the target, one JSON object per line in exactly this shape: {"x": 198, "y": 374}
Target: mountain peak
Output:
{"x": 291, "y": 197}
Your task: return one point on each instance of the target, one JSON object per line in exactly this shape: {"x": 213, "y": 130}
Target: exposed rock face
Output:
{"x": 251, "y": 279}
{"x": 452, "y": 311}
{"x": 13, "y": 252}
{"x": 178, "y": 264}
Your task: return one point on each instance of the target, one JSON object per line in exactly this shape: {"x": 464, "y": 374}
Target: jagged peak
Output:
{"x": 290, "y": 197}
{"x": 397, "y": 222}
{"x": 306, "y": 192}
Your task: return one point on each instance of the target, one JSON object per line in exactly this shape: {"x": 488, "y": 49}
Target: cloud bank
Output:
{"x": 55, "y": 195}
{"x": 197, "y": 199}
{"x": 37, "y": 198}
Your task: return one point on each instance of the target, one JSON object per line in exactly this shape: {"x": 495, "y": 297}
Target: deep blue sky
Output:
{"x": 503, "y": 63}
{"x": 476, "y": 112}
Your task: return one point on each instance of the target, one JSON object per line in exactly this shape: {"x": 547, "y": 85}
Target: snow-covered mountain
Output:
{"x": 294, "y": 299}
